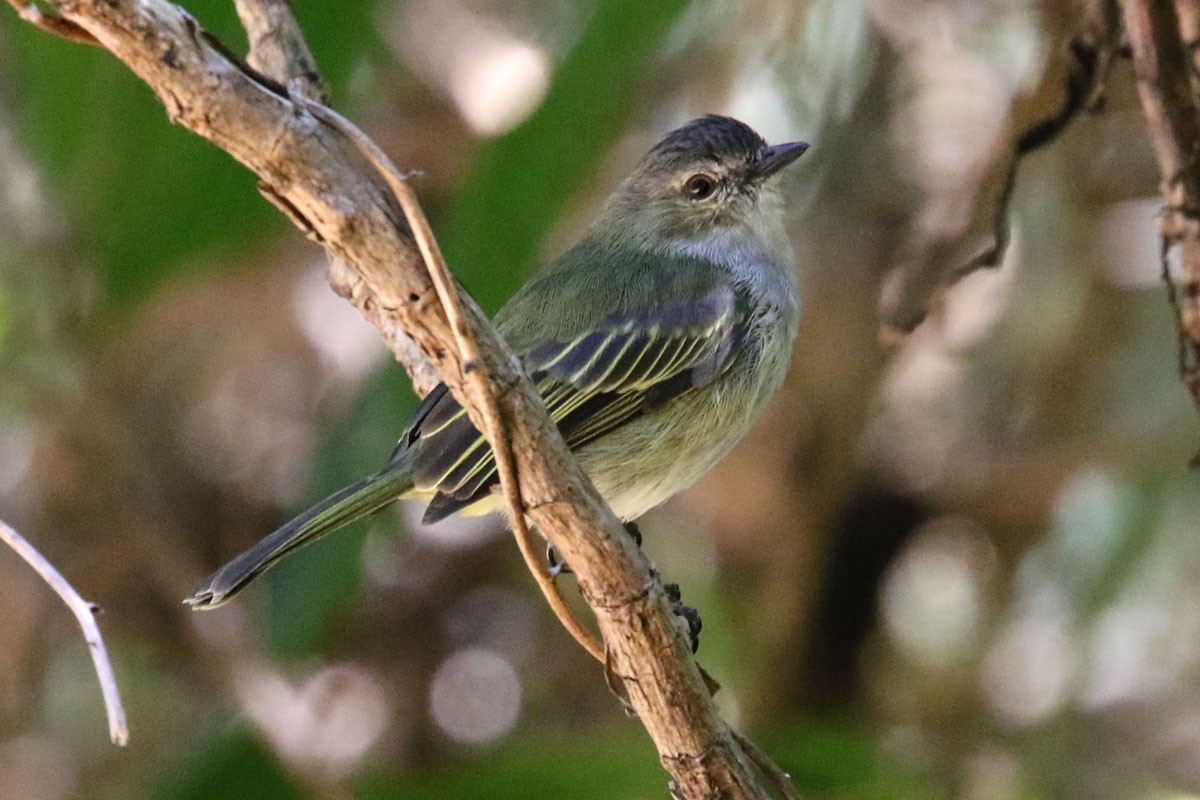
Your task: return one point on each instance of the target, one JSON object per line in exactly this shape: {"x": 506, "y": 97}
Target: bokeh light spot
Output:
{"x": 475, "y": 697}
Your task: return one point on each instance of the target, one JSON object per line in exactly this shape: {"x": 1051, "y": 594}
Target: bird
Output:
{"x": 654, "y": 342}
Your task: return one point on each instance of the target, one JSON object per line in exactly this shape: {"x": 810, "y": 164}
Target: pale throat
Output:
{"x": 759, "y": 259}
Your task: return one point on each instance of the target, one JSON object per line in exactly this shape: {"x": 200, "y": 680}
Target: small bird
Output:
{"x": 654, "y": 342}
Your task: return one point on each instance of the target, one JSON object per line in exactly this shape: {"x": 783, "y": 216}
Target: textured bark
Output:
{"x": 1156, "y": 31}
{"x": 312, "y": 173}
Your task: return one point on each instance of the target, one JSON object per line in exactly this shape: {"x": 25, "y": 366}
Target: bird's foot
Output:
{"x": 686, "y": 614}
{"x": 556, "y": 567}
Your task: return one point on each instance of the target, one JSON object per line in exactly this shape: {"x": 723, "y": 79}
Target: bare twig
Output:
{"x": 32, "y": 13}
{"x": 778, "y": 778}
{"x": 1165, "y": 88}
{"x": 315, "y": 173}
{"x": 278, "y": 49}
{"x": 85, "y": 613}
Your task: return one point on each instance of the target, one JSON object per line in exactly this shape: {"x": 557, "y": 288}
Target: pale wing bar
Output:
{"x": 591, "y": 385}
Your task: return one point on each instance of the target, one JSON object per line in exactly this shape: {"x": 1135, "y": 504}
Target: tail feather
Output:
{"x": 341, "y": 508}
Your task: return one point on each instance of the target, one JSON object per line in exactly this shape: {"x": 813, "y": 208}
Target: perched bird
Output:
{"x": 654, "y": 342}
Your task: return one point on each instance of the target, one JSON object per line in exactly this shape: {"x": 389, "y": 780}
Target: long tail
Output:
{"x": 341, "y": 508}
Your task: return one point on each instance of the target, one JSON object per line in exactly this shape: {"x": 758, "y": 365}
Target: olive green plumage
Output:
{"x": 654, "y": 343}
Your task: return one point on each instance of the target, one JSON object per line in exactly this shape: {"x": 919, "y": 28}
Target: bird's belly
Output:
{"x": 640, "y": 465}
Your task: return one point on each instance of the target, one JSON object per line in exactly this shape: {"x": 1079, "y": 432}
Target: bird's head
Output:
{"x": 713, "y": 175}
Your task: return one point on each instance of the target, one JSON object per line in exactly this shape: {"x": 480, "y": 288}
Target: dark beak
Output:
{"x": 775, "y": 157}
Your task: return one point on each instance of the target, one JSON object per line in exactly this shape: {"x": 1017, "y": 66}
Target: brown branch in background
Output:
{"x": 315, "y": 174}
{"x": 85, "y": 614}
{"x": 930, "y": 259}
{"x": 1164, "y": 75}
{"x": 1188, "y": 12}
{"x": 1092, "y": 52}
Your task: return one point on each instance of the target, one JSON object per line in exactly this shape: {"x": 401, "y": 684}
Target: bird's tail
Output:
{"x": 341, "y": 508}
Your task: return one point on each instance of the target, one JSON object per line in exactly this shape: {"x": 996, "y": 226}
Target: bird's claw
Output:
{"x": 689, "y": 615}
{"x": 556, "y": 567}
{"x": 634, "y": 532}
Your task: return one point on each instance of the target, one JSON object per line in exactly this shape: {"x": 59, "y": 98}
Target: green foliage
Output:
{"x": 234, "y": 765}
{"x": 343, "y": 37}
{"x": 5, "y": 318}
{"x": 828, "y": 761}
{"x": 125, "y": 176}
{"x": 835, "y": 761}
{"x": 519, "y": 183}
{"x": 535, "y": 767}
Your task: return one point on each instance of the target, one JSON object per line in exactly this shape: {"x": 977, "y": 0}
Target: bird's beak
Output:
{"x": 775, "y": 157}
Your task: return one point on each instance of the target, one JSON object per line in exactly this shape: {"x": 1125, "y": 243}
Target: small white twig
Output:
{"x": 85, "y": 613}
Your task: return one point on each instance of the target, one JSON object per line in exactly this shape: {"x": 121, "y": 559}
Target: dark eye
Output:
{"x": 700, "y": 186}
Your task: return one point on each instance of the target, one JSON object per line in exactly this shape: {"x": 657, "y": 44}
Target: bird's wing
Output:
{"x": 592, "y": 384}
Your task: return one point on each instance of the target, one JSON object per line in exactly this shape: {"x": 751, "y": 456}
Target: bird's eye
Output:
{"x": 700, "y": 186}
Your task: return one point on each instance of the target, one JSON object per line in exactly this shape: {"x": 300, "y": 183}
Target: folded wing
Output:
{"x": 598, "y": 381}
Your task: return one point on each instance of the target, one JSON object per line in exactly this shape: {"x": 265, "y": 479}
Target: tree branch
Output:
{"x": 278, "y": 49}
{"x": 85, "y": 614}
{"x": 311, "y": 171}
{"x": 1165, "y": 87}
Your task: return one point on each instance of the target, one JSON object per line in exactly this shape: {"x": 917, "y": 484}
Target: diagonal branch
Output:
{"x": 478, "y": 379}
{"x": 1165, "y": 87}
{"x": 85, "y": 614}
{"x": 314, "y": 174}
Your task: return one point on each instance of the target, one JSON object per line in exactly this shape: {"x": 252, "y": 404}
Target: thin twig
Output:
{"x": 51, "y": 22}
{"x": 476, "y": 374}
{"x": 85, "y": 613}
{"x": 278, "y": 49}
{"x": 781, "y": 780}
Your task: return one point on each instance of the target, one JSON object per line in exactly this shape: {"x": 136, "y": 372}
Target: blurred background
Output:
{"x": 961, "y": 564}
